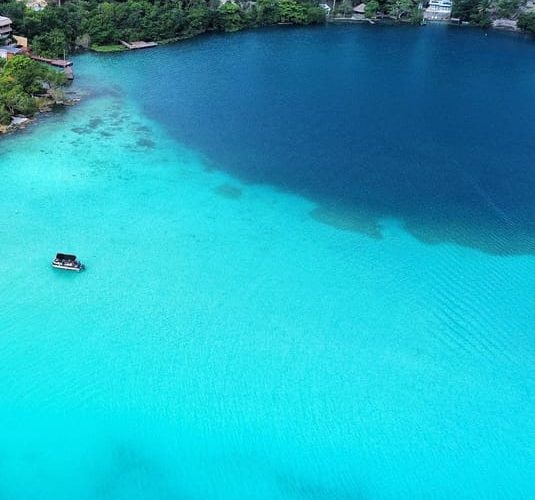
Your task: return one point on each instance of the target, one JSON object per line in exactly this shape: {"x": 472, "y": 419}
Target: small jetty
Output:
{"x": 58, "y": 63}
{"x": 138, "y": 45}
{"x": 67, "y": 66}
{"x": 67, "y": 262}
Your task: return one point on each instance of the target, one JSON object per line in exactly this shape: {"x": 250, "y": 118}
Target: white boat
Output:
{"x": 68, "y": 262}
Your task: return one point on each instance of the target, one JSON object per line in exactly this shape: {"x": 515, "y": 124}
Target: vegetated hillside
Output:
{"x": 82, "y": 23}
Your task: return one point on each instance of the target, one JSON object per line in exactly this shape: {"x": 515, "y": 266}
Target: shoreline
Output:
{"x": 75, "y": 97}
{"x": 448, "y": 22}
{"x": 21, "y": 122}
{"x": 117, "y": 48}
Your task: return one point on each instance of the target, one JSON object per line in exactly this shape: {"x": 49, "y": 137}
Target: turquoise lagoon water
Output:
{"x": 310, "y": 272}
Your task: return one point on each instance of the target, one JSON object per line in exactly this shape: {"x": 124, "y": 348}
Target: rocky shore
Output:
{"x": 46, "y": 105}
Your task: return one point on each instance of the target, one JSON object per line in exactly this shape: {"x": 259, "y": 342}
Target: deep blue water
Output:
{"x": 310, "y": 272}
{"x": 431, "y": 126}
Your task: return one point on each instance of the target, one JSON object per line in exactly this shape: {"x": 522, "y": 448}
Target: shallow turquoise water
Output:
{"x": 224, "y": 342}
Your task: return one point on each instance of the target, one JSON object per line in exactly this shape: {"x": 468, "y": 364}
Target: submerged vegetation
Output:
{"x": 86, "y": 23}
{"x": 27, "y": 86}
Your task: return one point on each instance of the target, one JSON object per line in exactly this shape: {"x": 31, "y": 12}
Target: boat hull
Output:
{"x": 68, "y": 268}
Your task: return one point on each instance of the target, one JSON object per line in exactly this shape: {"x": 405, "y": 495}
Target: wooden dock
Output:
{"x": 66, "y": 66}
{"x": 58, "y": 63}
{"x": 138, "y": 45}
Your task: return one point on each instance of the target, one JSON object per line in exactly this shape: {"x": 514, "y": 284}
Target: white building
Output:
{"x": 438, "y": 10}
{"x": 5, "y": 29}
{"x": 7, "y": 51}
{"x": 36, "y": 5}
{"x": 358, "y": 12}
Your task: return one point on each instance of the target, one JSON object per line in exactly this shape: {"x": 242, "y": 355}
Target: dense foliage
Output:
{"x": 60, "y": 29}
{"x": 482, "y": 12}
{"x": 473, "y": 11}
{"x": 405, "y": 9}
{"x": 526, "y": 21}
{"x": 506, "y": 8}
{"x": 81, "y": 23}
{"x": 22, "y": 83}
{"x": 397, "y": 10}
{"x": 476, "y": 12}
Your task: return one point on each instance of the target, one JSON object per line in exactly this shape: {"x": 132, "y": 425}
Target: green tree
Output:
{"x": 229, "y": 17}
{"x": 52, "y": 44}
{"x": 292, "y": 12}
{"x": 52, "y": 79}
{"x": 474, "y": 11}
{"x": 21, "y": 79}
{"x": 347, "y": 7}
{"x": 101, "y": 25}
{"x": 14, "y": 99}
{"x": 5, "y": 116}
{"x": 315, "y": 14}
{"x": 26, "y": 72}
{"x": 507, "y": 8}
{"x": 402, "y": 9}
{"x": 268, "y": 12}
{"x": 371, "y": 9}
{"x": 197, "y": 20}
{"x": 526, "y": 21}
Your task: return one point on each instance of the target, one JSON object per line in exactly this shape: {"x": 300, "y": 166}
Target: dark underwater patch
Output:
{"x": 146, "y": 143}
{"x": 81, "y": 130}
{"x": 228, "y": 191}
{"x": 94, "y": 122}
{"x": 308, "y": 489}
{"x": 129, "y": 470}
{"x": 347, "y": 220}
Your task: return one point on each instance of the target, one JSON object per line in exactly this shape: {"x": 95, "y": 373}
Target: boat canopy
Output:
{"x": 65, "y": 256}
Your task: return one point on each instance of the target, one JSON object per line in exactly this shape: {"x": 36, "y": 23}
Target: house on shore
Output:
{"x": 359, "y": 12}
{"x": 506, "y": 24}
{"x": 326, "y": 8}
{"x": 5, "y": 30}
{"x": 7, "y": 51}
{"x": 438, "y": 10}
{"x": 36, "y": 5}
